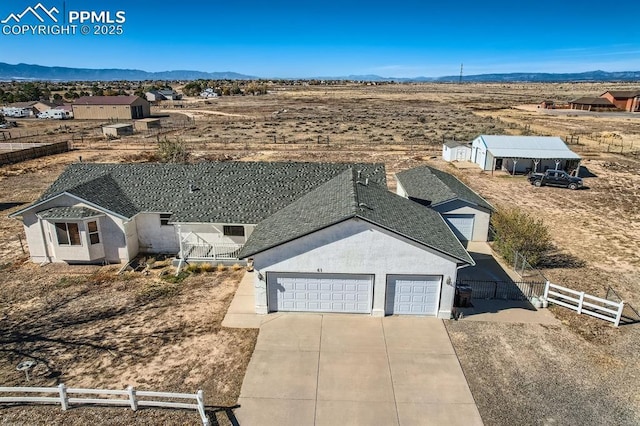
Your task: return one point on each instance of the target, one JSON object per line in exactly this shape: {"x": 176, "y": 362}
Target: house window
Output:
{"x": 233, "y": 231}
{"x": 94, "y": 235}
{"x": 68, "y": 234}
{"x": 164, "y": 219}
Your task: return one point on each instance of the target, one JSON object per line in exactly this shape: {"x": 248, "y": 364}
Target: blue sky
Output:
{"x": 339, "y": 38}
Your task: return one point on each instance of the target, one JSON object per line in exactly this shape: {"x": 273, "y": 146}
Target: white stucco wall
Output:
{"x": 357, "y": 247}
{"x": 480, "y": 223}
{"x": 43, "y": 244}
{"x": 153, "y": 237}
{"x": 400, "y": 189}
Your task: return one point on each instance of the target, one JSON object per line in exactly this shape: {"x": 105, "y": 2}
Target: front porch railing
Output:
{"x": 204, "y": 251}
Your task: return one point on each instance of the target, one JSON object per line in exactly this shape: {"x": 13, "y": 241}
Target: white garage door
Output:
{"x": 297, "y": 292}
{"x": 461, "y": 225}
{"x": 413, "y": 294}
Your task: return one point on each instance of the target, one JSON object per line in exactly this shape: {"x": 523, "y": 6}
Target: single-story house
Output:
{"x": 626, "y": 100}
{"x": 35, "y": 107}
{"x": 590, "y": 103}
{"x": 111, "y": 108}
{"x": 324, "y": 237}
{"x": 456, "y": 151}
{"x": 467, "y": 213}
{"x": 117, "y": 130}
{"x": 547, "y": 105}
{"x": 522, "y": 154}
{"x": 162, "y": 95}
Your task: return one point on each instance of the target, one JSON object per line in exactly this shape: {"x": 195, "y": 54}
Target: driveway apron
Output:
{"x": 329, "y": 369}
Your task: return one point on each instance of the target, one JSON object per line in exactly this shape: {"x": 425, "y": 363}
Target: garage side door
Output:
{"x": 461, "y": 225}
{"x": 413, "y": 294}
{"x": 296, "y": 292}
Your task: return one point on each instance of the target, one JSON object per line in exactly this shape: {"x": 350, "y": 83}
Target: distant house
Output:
{"x": 162, "y": 95}
{"x": 547, "y": 105}
{"x": 589, "y": 103}
{"x": 111, "y": 108}
{"x": 627, "y": 100}
{"x": 208, "y": 93}
{"x": 522, "y": 154}
{"x": 324, "y": 237}
{"x": 467, "y": 213}
{"x": 33, "y": 107}
{"x": 456, "y": 151}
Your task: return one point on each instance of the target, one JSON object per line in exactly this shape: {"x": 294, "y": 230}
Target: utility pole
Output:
{"x": 460, "y": 80}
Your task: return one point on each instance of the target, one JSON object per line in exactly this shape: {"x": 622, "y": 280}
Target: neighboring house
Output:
{"x": 35, "y": 107}
{"x": 111, "y": 108}
{"x": 547, "y": 105}
{"x": 162, "y": 95}
{"x": 467, "y": 213}
{"x": 522, "y": 154}
{"x": 589, "y": 103}
{"x": 208, "y": 93}
{"x": 352, "y": 246}
{"x": 627, "y": 100}
{"x": 456, "y": 151}
{"x": 323, "y": 237}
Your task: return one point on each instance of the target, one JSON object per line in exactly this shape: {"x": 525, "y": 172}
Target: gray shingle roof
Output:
{"x": 344, "y": 197}
{"x": 68, "y": 213}
{"x": 437, "y": 187}
{"x": 222, "y": 192}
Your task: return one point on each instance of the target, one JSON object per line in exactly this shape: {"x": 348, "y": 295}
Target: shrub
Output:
{"x": 236, "y": 267}
{"x": 207, "y": 267}
{"x": 193, "y": 268}
{"x": 221, "y": 267}
{"x": 517, "y": 231}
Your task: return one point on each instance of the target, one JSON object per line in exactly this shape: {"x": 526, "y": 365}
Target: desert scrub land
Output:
{"x": 583, "y": 371}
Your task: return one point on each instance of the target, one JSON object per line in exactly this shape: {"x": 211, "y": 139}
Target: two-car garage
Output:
{"x": 352, "y": 293}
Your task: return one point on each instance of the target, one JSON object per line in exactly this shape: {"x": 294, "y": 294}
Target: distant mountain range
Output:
{"x": 39, "y": 72}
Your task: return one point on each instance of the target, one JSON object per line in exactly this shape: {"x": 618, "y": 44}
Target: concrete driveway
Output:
{"x": 331, "y": 369}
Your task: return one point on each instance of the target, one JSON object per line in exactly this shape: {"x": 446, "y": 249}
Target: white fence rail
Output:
{"x": 132, "y": 398}
{"x": 584, "y": 303}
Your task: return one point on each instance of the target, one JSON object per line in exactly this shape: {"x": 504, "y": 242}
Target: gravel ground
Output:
{"x": 528, "y": 374}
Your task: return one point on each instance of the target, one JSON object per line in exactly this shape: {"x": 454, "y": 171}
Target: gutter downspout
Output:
{"x": 46, "y": 243}
{"x": 182, "y": 259}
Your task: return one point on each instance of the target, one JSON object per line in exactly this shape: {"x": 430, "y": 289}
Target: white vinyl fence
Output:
{"x": 584, "y": 303}
{"x": 132, "y": 398}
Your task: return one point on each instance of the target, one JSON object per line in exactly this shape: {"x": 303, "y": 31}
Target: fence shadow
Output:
{"x": 226, "y": 412}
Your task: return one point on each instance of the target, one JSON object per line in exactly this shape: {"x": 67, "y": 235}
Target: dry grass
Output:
{"x": 73, "y": 323}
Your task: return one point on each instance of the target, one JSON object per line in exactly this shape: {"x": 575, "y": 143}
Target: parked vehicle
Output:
{"x": 555, "y": 178}
{"x": 55, "y": 114}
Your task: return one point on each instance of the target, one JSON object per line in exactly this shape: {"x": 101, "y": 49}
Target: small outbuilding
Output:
{"x": 467, "y": 213}
{"x": 589, "y": 103}
{"x": 117, "y": 130}
{"x": 147, "y": 124}
{"x": 522, "y": 154}
{"x": 456, "y": 151}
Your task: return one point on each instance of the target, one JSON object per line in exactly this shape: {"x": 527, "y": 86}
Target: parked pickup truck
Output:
{"x": 555, "y": 178}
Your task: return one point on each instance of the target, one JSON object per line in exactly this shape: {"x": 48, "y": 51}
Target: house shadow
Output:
{"x": 7, "y": 206}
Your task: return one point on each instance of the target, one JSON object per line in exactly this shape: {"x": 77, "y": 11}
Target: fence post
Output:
{"x": 546, "y": 290}
{"x": 64, "y": 402}
{"x": 580, "y": 302}
{"x": 203, "y": 414}
{"x": 132, "y": 398}
{"x": 495, "y": 289}
{"x": 619, "y": 314}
